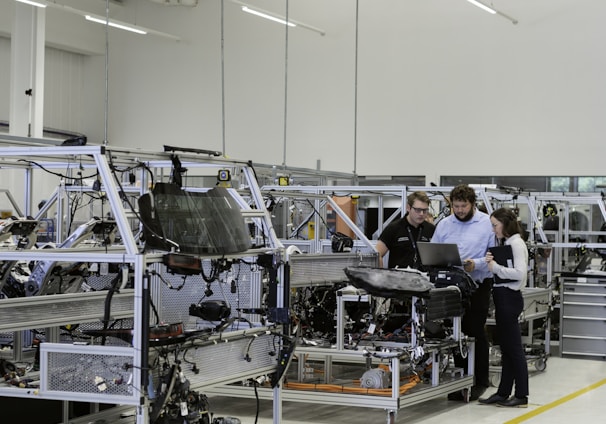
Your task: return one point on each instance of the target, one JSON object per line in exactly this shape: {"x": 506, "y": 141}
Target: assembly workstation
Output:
{"x": 200, "y": 264}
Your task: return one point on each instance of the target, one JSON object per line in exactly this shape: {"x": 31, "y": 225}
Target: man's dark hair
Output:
{"x": 463, "y": 193}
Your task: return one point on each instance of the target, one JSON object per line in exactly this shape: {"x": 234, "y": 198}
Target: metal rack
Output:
{"x": 317, "y": 267}
{"x": 62, "y": 364}
{"x": 396, "y": 355}
{"x": 313, "y": 264}
{"x": 220, "y": 357}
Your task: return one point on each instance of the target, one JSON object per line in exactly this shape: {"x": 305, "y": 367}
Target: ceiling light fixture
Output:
{"x": 275, "y": 17}
{"x": 267, "y": 16}
{"x": 115, "y": 24}
{"x": 492, "y": 10}
{"x": 32, "y": 3}
{"x": 100, "y": 19}
{"x": 482, "y": 6}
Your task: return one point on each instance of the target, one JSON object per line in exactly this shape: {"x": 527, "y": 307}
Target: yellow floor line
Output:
{"x": 555, "y": 403}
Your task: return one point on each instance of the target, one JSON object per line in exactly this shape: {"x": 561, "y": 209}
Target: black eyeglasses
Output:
{"x": 419, "y": 210}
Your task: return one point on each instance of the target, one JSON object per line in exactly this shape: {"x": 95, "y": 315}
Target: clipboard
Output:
{"x": 503, "y": 255}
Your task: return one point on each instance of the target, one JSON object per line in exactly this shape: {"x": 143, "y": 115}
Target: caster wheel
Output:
{"x": 540, "y": 364}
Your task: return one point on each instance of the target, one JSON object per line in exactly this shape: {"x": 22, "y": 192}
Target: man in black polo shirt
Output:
{"x": 401, "y": 236}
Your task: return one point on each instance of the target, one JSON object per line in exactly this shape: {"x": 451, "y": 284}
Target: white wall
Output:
{"x": 5, "y": 54}
{"x": 443, "y": 88}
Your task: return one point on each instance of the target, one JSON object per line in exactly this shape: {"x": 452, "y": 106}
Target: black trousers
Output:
{"x": 514, "y": 369}
{"x": 473, "y": 325}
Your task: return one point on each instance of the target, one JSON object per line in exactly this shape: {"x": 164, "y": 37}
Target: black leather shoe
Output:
{"x": 476, "y": 392}
{"x": 494, "y": 398}
{"x": 514, "y": 402}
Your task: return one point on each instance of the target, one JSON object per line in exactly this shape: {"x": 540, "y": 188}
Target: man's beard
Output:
{"x": 466, "y": 217}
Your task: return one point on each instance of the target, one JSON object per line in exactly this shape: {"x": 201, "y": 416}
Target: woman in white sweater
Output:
{"x": 510, "y": 276}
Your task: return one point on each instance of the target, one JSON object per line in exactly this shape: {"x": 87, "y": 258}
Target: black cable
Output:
{"x": 255, "y": 384}
{"x": 31, "y": 162}
{"x": 215, "y": 270}
{"x": 236, "y": 285}
{"x": 320, "y": 215}
{"x": 257, "y": 401}
{"x": 75, "y": 206}
{"x": 187, "y": 361}
{"x": 107, "y": 306}
{"x": 247, "y": 354}
{"x": 167, "y": 283}
{"x": 130, "y": 205}
{"x": 72, "y": 213}
{"x": 156, "y": 315}
{"x": 116, "y": 321}
{"x": 132, "y": 168}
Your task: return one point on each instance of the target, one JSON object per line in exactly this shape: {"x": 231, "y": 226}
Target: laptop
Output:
{"x": 439, "y": 254}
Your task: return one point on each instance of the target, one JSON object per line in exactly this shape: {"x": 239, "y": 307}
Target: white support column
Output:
{"x": 27, "y": 71}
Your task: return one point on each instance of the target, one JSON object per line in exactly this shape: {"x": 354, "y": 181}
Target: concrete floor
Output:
{"x": 568, "y": 391}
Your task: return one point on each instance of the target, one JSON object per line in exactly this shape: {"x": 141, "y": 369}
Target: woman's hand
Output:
{"x": 489, "y": 260}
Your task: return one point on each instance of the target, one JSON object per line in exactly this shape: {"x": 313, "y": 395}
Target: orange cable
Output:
{"x": 335, "y": 388}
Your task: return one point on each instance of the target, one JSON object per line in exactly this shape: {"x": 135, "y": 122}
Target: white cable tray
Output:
{"x": 306, "y": 269}
{"x": 59, "y": 309}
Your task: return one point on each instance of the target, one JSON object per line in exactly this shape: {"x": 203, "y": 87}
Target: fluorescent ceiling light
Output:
{"x": 276, "y": 18}
{"x": 32, "y": 3}
{"x": 115, "y": 24}
{"x": 492, "y": 10}
{"x": 482, "y": 6}
{"x": 100, "y": 19}
{"x": 266, "y": 16}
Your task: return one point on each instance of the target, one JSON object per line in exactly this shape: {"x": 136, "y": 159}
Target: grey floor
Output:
{"x": 569, "y": 391}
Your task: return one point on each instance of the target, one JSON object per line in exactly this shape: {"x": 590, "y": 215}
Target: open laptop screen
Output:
{"x": 439, "y": 254}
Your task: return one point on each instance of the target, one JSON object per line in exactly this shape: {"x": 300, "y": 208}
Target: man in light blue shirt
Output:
{"x": 471, "y": 230}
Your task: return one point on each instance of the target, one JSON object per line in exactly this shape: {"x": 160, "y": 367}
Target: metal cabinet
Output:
{"x": 583, "y": 316}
